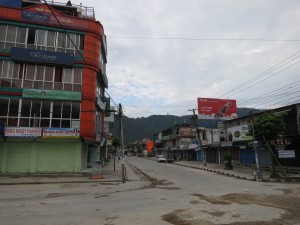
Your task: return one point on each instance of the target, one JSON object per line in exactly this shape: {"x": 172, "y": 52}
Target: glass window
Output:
{"x": 7, "y": 69}
{"x": 2, "y": 32}
{"x": 66, "y": 112}
{"x": 41, "y": 37}
{"x": 75, "y": 110}
{"x": 57, "y": 109}
{"x": 46, "y": 109}
{"x": 49, "y": 73}
{"x": 71, "y": 41}
{"x": 15, "y": 73}
{"x": 51, "y": 38}
{"x": 77, "y": 75}
{"x": 55, "y": 123}
{"x": 61, "y": 40}
{"x": 13, "y": 107}
{"x": 65, "y": 123}
{"x": 68, "y": 75}
{"x": 26, "y": 107}
{"x": 11, "y": 33}
{"x": 36, "y": 109}
{"x": 81, "y": 42}
{"x": 31, "y": 36}
{"x": 30, "y": 68}
{"x": 58, "y": 74}
{"x": 3, "y": 106}
{"x": 45, "y": 123}
{"x": 21, "y": 35}
{"x": 39, "y": 72}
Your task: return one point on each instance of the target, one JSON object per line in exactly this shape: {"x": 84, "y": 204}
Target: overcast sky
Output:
{"x": 164, "y": 54}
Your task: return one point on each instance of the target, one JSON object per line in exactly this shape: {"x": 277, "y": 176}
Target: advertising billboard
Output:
{"x": 214, "y": 108}
{"x": 239, "y": 133}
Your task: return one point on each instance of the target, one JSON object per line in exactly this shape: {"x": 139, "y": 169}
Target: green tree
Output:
{"x": 268, "y": 127}
{"x": 115, "y": 142}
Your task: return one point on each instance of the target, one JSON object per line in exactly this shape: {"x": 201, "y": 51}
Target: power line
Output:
{"x": 202, "y": 39}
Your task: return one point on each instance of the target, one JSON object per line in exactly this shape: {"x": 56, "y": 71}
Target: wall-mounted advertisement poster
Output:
{"x": 239, "y": 133}
{"x": 214, "y": 108}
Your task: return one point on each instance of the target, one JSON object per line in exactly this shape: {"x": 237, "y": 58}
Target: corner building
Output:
{"x": 52, "y": 84}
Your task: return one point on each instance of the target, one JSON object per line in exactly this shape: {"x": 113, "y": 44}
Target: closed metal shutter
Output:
{"x": 18, "y": 157}
{"x": 56, "y": 157}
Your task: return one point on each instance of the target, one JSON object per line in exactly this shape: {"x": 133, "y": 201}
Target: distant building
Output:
{"x": 52, "y": 83}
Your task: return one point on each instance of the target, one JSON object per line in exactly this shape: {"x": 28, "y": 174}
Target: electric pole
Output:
{"x": 195, "y": 124}
{"x": 121, "y": 136}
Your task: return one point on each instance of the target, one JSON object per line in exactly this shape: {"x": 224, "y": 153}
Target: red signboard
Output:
{"x": 214, "y": 108}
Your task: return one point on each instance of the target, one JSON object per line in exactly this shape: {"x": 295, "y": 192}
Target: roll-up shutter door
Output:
{"x": 18, "y": 157}
{"x": 56, "y": 157}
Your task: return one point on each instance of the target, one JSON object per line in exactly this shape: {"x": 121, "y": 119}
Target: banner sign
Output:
{"x": 286, "y": 154}
{"x": 239, "y": 133}
{"x": 35, "y": 16}
{"x": 51, "y": 94}
{"x": 213, "y": 108}
{"x": 60, "y": 133}
{"x": 43, "y": 14}
{"x": 187, "y": 132}
{"x": 34, "y": 55}
{"x": 24, "y": 132}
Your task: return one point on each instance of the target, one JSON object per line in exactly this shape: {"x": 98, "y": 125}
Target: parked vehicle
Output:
{"x": 161, "y": 158}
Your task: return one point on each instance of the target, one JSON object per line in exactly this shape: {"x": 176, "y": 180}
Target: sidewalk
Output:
{"x": 238, "y": 171}
{"x": 108, "y": 173}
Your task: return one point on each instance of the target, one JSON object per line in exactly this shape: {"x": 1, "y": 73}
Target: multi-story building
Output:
{"x": 52, "y": 85}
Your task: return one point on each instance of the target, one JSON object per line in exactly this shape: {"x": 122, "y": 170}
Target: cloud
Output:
{"x": 160, "y": 76}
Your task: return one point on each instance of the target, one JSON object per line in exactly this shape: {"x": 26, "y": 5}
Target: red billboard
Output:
{"x": 214, "y": 108}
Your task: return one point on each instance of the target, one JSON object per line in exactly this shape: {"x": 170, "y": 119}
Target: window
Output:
{"x": 41, "y": 39}
{"x": 21, "y": 37}
{"x": 39, "y": 72}
{"x": 77, "y": 75}
{"x": 66, "y": 112}
{"x": 3, "y": 106}
{"x": 7, "y": 70}
{"x": 2, "y": 32}
{"x": 30, "y": 69}
{"x": 68, "y": 75}
{"x": 75, "y": 110}
{"x": 57, "y": 109}
{"x": 11, "y": 34}
{"x": 13, "y": 107}
{"x": 31, "y": 36}
{"x": 26, "y": 107}
{"x": 46, "y": 105}
{"x": 58, "y": 74}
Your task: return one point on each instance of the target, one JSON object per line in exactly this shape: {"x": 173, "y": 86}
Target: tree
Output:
{"x": 268, "y": 127}
{"x": 115, "y": 142}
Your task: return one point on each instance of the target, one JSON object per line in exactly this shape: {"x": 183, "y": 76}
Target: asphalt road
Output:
{"x": 156, "y": 194}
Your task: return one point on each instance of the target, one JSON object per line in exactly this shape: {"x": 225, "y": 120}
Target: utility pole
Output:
{"x": 258, "y": 172}
{"x": 195, "y": 124}
{"x": 121, "y": 136}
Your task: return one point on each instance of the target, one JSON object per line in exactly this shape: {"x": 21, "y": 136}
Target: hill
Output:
{"x": 139, "y": 128}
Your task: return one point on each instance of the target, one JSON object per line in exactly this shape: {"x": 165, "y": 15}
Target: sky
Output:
{"x": 164, "y": 54}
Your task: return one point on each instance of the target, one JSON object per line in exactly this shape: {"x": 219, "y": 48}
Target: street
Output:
{"x": 155, "y": 193}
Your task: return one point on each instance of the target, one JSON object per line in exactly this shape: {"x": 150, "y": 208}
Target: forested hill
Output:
{"x": 139, "y": 128}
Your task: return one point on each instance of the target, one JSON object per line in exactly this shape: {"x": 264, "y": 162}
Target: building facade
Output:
{"x": 52, "y": 84}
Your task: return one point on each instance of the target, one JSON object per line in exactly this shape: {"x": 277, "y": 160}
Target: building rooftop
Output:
{"x": 66, "y": 8}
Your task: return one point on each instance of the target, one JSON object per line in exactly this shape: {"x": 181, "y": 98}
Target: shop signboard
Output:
{"x": 60, "y": 133}
{"x": 51, "y": 94}
{"x": 23, "y": 132}
{"x": 34, "y": 55}
{"x": 214, "y": 108}
{"x": 286, "y": 154}
{"x": 43, "y": 14}
{"x": 239, "y": 133}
